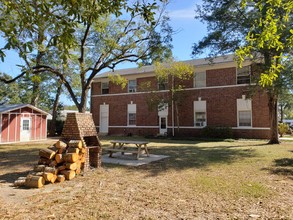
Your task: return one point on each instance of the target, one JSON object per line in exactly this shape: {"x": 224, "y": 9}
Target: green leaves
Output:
{"x": 269, "y": 36}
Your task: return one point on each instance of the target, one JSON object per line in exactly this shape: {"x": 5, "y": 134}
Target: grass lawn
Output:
{"x": 200, "y": 180}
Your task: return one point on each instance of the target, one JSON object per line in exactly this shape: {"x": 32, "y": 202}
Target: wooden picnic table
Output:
{"x": 123, "y": 147}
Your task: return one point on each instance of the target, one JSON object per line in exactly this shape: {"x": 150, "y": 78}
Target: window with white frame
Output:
{"x": 200, "y": 119}
{"x": 163, "y": 84}
{"x": 244, "y": 118}
{"x": 244, "y": 112}
{"x": 131, "y": 114}
{"x": 105, "y": 87}
{"x": 132, "y": 85}
{"x": 199, "y": 80}
{"x": 243, "y": 75}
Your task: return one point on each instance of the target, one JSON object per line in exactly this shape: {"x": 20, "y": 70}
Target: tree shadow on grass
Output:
{"x": 192, "y": 156}
{"x": 16, "y": 163}
{"x": 282, "y": 167}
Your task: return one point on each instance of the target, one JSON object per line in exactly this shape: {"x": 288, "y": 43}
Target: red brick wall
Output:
{"x": 221, "y": 106}
{"x": 221, "y": 77}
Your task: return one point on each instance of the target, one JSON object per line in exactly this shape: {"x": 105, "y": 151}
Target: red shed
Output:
{"x": 22, "y": 122}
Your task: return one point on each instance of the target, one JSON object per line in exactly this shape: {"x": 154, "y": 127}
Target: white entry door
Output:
{"x": 25, "y": 129}
{"x": 104, "y": 119}
{"x": 163, "y": 125}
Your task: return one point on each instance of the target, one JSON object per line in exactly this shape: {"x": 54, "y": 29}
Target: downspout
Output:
{"x": 172, "y": 94}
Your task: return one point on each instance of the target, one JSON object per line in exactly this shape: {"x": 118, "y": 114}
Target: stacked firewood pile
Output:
{"x": 57, "y": 163}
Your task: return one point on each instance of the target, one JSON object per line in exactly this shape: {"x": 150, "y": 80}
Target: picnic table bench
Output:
{"x": 123, "y": 147}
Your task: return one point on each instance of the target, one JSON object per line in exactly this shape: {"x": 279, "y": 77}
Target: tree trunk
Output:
{"x": 273, "y": 106}
{"x": 36, "y": 94}
{"x": 54, "y": 111}
{"x": 82, "y": 105}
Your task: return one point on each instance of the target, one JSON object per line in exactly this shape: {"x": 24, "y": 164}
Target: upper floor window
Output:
{"x": 131, "y": 85}
{"x": 243, "y": 75}
{"x": 200, "y": 80}
{"x": 163, "y": 84}
{"x": 105, "y": 88}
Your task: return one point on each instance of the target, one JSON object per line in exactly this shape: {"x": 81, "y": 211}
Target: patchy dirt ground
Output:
{"x": 214, "y": 180}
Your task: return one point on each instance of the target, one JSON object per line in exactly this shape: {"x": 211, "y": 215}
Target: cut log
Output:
{"x": 60, "y": 168}
{"x": 34, "y": 181}
{"x": 48, "y": 176}
{"x": 75, "y": 143}
{"x": 60, "y": 144}
{"x": 44, "y": 161}
{"x": 78, "y": 171}
{"x": 62, "y": 150}
{"x": 60, "y": 178}
{"x": 82, "y": 159}
{"x": 51, "y": 170}
{"x": 54, "y": 178}
{"x": 19, "y": 182}
{"x": 47, "y": 153}
{"x": 73, "y": 150}
{"x": 39, "y": 168}
{"x": 71, "y": 166}
{"x": 53, "y": 148}
{"x": 71, "y": 157}
{"x": 59, "y": 158}
{"x": 32, "y": 173}
{"x": 83, "y": 150}
{"x": 69, "y": 174}
{"x": 53, "y": 163}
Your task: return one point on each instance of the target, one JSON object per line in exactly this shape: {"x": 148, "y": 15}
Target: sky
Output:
{"x": 188, "y": 31}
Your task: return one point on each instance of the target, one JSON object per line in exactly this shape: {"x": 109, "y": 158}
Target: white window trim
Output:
{"x": 194, "y": 79}
{"x": 129, "y": 125}
{"x": 135, "y": 90}
{"x": 131, "y": 109}
{"x": 205, "y": 123}
{"x": 244, "y": 104}
{"x": 102, "y": 88}
{"x": 238, "y": 119}
{"x": 202, "y": 108}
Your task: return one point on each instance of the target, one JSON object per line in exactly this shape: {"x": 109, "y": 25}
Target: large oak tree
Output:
{"x": 84, "y": 37}
{"x": 256, "y": 29}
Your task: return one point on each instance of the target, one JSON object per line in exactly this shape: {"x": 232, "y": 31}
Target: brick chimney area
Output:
{"x": 80, "y": 126}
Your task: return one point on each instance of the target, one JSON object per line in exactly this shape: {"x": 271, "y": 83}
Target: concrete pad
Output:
{"x": 130, "y": 160}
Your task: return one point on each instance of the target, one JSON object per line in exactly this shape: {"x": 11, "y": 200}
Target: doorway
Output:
{"x": 25, "y": 129}
{"x": 163, "y": 125}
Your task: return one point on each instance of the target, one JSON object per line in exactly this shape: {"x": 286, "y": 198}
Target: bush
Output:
{"x": 283, "y": 128}
{"x": 217, "y": 132}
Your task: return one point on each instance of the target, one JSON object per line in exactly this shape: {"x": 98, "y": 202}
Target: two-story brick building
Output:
{"x": 216, "y": 96}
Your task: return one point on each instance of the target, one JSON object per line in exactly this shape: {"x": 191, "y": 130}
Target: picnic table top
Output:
{"x": 128, "y": 142}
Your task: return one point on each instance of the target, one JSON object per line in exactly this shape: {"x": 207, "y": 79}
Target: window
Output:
{"x": 163, "y": 84}
{"x": 200, "y": 119}
{"x": 243, "y": 75}
{"x": 105, "y": 88}
{"x": 131, "y": 118}
{"x": 199, "y": 80}
{"x": 131, "y": 114}
{"x": 244, "y": 118}
{"x": 244, "y": 112}
{"x": 25, "y": 125}
{"x": 131, "y": 85}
